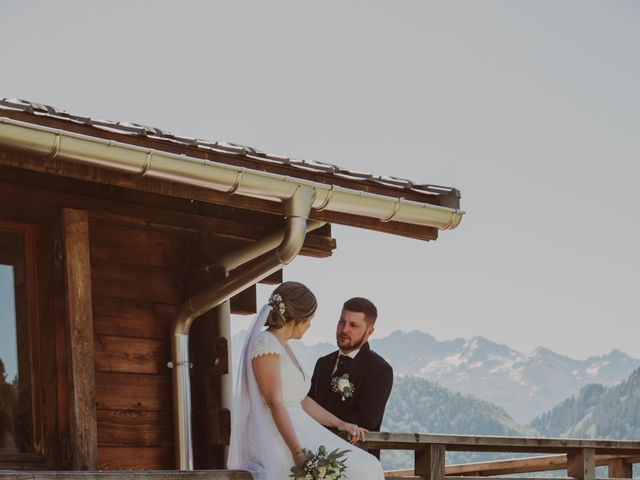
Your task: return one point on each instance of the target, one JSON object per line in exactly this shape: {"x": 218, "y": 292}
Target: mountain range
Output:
{"x": 525, "y": 385}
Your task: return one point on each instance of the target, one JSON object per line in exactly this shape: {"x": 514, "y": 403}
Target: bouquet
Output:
{"x": 320, "y": 466}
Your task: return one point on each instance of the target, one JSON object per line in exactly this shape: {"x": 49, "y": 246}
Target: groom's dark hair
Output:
{"x": 362, "y": 305}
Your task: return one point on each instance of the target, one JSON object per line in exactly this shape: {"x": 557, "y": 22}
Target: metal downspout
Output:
{"x": 223, "y": 312}
{"x": 242, "y": 255}
{"x": 296, "y": 211}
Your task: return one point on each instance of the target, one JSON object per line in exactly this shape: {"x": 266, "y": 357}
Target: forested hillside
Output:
{"x": 596, "y": 411}
{"x": 419, "y": 406}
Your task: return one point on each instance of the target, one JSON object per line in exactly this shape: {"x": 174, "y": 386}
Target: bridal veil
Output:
{"x": 249, "y": 412}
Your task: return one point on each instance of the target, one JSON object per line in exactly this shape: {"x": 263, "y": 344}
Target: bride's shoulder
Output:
{"x": 266, "y": 344}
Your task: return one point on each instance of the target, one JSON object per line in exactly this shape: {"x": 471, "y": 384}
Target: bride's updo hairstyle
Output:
{"x": 291, "y": 301}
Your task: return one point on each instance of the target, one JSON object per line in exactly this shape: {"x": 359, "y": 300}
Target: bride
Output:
{"x": 273, "y": 420}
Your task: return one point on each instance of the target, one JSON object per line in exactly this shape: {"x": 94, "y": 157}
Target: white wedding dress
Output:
{"x": 256, "y": 443}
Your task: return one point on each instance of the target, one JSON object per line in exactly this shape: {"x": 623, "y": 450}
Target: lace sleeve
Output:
{"x": 265, "y": 345}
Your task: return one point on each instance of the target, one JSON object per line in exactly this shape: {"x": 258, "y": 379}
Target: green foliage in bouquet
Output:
{"x": 321, "y": 466}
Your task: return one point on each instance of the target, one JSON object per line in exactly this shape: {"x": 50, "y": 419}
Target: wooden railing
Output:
{"x": 578, "y": 457}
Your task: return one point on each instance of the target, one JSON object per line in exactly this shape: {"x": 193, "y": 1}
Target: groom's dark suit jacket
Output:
{"x": 372, "y": 378}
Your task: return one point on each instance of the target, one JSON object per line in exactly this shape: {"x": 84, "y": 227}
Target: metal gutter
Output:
{"x": 144, "y": 162}
{"x": 296, "y": 211}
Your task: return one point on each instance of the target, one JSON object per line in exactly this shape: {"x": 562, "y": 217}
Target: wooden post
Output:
{"x": 620, "y": 469}
{"x": 82, "y": 408}
{"x": 209, "y": 354}
{"x": 429, "y": 462}
{"x": 582, "y": 465}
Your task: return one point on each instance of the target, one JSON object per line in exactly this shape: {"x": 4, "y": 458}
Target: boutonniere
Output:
{"x": 343, "y": 386}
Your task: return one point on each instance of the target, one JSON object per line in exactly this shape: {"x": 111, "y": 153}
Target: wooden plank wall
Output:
{"x": 147, "y": 254}
{"x": 140, "y": 277}
{"x": 137, "y": 277}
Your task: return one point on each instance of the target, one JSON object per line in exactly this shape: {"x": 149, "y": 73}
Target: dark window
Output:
{"x": 16, "y": 414}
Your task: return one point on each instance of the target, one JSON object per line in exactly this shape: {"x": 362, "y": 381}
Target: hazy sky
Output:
{"x": 530, "y": 108}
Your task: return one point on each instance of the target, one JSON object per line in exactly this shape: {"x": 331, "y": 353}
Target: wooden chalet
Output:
{"x": 109, "y": 233}
{"x": 123, "y": 251}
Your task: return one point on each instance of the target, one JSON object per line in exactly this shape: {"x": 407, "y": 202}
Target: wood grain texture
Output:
{"x": 129, "y": 391}
{"x": 227, "y": 225}
{"x": 137, "y": 245}
{"x": 474, "y": 443}
{"x": 508, "y": 467}
{"x": 429, "y": 462}
{"x": 137, "y": 282}
{"x": 84, "y": 443}
{"x": 527, "y": 465}
{"x": 209, "y": 353}
{"x": 135, "y": 458}
{"x": 131, "y": 355}
{"x": 229, "y": 228}
{"x": 131, "y": 318}
{"x": 244, "y": 303}
{"x": 453, "y": 477}
{"x": 582, "y": 464}
{"x": 620, "y": 469}
{"x": 134, "y": 428}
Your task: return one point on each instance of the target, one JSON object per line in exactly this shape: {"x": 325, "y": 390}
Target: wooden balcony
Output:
{"x": 578, "y": 457}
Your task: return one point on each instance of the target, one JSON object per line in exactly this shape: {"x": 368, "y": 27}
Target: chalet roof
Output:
{"x": 387, "y": 204}
{"x": 447, "y": 196}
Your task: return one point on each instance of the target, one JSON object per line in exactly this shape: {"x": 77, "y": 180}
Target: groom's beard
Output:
{"x": 347, "y": 344}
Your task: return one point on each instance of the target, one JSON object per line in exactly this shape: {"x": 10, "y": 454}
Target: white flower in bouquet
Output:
{"x": 321, "y": 465}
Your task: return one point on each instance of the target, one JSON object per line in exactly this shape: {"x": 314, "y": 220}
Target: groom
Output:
{"x": 354, "y": 382}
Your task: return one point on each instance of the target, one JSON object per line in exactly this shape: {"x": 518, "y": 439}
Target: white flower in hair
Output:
{"x": 276, "y": 301}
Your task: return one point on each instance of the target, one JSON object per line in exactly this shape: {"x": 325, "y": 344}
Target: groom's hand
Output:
{"x": 355, "y": 433}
